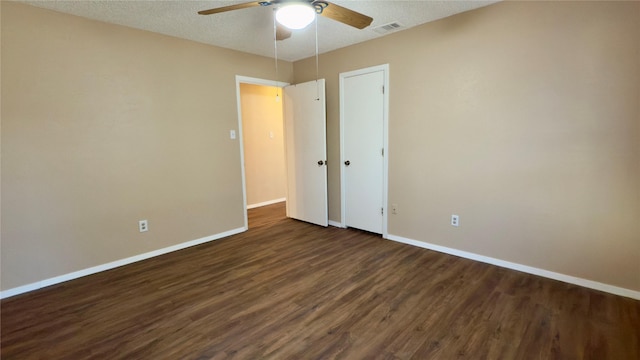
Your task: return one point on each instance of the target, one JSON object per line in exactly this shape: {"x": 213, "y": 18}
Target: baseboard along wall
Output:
{"x": 114, "y": 264}
{"x": 265, "y": 203}
{"x": 523, "y": 268}
{"x": 336, "y": 224}
{"x": 443, "y": 249}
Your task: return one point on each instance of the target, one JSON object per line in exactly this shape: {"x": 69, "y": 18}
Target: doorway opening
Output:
{"x": 261, "y": 136}
{"x": 304, "y": 133}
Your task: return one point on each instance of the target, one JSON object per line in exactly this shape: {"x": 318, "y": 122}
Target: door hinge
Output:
{"x": 382, "y": 151}
{"x": 381, "y": 211}
{"x": 383, "y": 89}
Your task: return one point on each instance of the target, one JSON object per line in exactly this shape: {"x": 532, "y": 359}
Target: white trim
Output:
{"x": 385, "y": 143}
{"x": 255, "y": 81}
{"x": 385, "y": 159}
{"x": 523, "y": 268}
{"x": 258, "y": 81}
{"x": 114, "y": 264}
{"x": 265, "y": 203}
{"x": 336, "y": 224}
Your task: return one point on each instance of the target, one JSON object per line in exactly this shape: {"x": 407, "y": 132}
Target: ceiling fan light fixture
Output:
{"x": 296, "y": 16}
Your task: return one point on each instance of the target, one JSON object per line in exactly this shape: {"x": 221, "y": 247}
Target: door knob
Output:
{"x": 320, "y": 162}
{"x": 347, "y": 162}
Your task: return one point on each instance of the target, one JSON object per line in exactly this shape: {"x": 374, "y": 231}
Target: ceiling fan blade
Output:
{"x": 345, "y": 16}
{"x": 234, "y": 7}
{"x": 282, "y": 32}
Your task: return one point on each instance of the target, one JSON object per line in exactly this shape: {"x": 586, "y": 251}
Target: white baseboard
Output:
{"x": 265, "y": 203}
{"x": 336, "y": 224}
{"x": 523, "y": 268}
{"x": 114, "y": 264}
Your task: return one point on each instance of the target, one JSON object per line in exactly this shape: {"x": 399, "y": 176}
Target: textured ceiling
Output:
{"x": 251, "y": 30}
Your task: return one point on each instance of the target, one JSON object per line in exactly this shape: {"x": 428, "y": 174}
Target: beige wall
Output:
{"x": 104, "y": 125}
{"x": 521, "y": 117}
{"x": 262, "y": 131}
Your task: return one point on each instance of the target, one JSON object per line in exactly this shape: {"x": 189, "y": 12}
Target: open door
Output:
{"x": 306, "y": 152}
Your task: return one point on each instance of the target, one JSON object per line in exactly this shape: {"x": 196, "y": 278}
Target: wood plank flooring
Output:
{"x": 290, "y": 290}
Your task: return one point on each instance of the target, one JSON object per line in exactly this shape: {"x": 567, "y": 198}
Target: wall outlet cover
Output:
{"x": 455, "y": 220}
{"x": 143, "y": 225}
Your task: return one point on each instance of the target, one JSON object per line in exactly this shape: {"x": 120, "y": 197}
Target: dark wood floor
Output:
{"x": 291, "y": 290}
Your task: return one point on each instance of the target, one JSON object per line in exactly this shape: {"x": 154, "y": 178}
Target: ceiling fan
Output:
{"x": 288, "y": 10}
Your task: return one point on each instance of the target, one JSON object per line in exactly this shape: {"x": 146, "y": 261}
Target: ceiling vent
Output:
{"x": 388, "y": 28}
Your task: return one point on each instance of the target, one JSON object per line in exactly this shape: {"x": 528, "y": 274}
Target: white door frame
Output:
{"x": 385, "y": 128}
{"x": 254, "y": 81}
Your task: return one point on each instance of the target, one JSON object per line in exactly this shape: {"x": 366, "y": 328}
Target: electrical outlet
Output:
{"x": 232, "y": 134}
{"x": 394, "y": 209}
{"x": 455, "y": 220}
{"x": 143, "y": 225}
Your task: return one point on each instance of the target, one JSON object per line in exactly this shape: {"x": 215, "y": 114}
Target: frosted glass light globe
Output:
{"x": 295, "y": 16}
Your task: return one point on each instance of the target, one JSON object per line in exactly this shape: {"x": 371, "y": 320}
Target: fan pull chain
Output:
{"x": 317, "y": 67}
{"x": 275, "y": 48}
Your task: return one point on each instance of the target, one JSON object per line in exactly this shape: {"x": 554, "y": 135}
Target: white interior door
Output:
{"x": 306, "y": 152}
{"x": 363, "y": 150}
